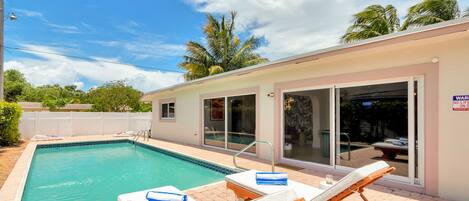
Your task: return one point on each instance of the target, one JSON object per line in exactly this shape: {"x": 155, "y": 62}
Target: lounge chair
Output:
{"x": 245, "y": 187}
{"x": 141, "y": 195}
{"x": 46, "y": 137}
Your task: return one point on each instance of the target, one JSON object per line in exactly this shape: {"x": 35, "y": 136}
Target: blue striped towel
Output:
{"x": 271, "y": 178}
{"x": 165, "y": 196}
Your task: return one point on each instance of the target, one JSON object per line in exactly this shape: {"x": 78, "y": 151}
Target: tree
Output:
{"x": 466, "y": 12}
{"x": 115, "y": 96}
{"x": 374, "y": 21}
{"x": 224, "y": 50}
{"x": 431, "y": 12}
{"x": 54, "y": 97}
{"x": 15, "y": 85}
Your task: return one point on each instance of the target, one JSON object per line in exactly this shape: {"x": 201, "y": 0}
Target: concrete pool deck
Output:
{"x": 13, "y": 186}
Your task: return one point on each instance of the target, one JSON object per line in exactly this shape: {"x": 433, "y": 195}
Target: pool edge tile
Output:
{"x": 13, "y": 188}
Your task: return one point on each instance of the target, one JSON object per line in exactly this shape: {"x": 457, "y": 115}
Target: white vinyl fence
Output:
{"x": 81, "y": 123}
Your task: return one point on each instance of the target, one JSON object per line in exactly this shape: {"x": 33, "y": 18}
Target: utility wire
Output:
{"x": 89, "y": 59}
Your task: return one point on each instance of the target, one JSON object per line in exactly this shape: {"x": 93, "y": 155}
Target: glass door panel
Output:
{"x": 306, "y": 124}
{"x": 214, "y": 122}
{"x": 241, "y": 122}
{"x": 372, "y": 125}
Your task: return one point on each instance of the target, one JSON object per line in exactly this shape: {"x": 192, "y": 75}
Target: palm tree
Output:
{"x": 431, "y": 12}
{"x": 223, "y": 52}
{"x": 375, "y": 20}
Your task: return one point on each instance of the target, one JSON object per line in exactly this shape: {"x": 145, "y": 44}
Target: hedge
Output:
{"x": 10, "y": 114}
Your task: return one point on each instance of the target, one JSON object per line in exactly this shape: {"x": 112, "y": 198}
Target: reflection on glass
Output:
{"x": 241, "y": 122}
{"x": 214, "y": 122}
{"x": 164, "y": 110}
{"x": 171, "y": 110}
{"x": 373, "y": 120}
{"x": 306, "y": 126}
{"x": 416, "y": 129}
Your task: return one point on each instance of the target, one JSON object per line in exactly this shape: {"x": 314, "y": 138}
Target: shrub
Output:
{"x": 10, "y": 114}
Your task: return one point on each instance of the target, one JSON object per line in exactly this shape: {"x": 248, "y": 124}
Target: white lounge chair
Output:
{"x": 245, "y": 187}
{"x": 46, "y": 137}
{"x": 141, "y": 195}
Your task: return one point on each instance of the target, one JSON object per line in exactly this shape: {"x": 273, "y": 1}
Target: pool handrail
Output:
{"x": 252, "y": 144}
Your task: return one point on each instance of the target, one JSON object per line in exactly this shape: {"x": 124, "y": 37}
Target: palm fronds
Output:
{"x": 224, "y": 50}
{"x": 375, "y": 20}
{"x": 431, "y": 12}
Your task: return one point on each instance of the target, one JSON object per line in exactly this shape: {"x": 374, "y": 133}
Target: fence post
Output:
{"x": 35, "y": 124}
{"x": 128, "y": 121}
{"x": 71, "y": 123}
{"x": 102, "y": 123}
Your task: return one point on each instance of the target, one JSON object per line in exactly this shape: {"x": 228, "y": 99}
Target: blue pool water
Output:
{"x": 101, "y": 172}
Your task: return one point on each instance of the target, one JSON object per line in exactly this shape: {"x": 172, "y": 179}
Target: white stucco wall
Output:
{"x": 453, "y": 133}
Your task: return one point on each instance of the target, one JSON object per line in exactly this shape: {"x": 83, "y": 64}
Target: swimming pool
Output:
{"x": 103, "y": 170}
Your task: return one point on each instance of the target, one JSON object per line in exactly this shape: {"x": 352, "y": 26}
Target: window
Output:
{"x": 230, "y": 122}
{"x": 168, "y": 110}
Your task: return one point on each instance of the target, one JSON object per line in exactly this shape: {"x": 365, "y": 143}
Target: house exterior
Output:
{"x": 399, "y": 98}
{"x": 37, "y": 107}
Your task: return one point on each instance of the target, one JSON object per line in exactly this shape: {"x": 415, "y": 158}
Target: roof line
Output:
{"x": 331, "y": 51}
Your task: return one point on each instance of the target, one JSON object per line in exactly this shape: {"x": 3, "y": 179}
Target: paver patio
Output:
{"x": 218, "y": 191}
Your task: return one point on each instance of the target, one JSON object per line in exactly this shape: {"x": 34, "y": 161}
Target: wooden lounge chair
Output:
{"x": 245, "y": 187}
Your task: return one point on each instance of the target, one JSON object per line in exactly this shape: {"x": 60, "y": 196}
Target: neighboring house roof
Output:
{"x": 38, "y": 105}
{"x": 429, "y": 31}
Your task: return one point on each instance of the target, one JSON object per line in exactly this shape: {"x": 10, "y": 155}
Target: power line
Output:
{"x": 89, "y": 59}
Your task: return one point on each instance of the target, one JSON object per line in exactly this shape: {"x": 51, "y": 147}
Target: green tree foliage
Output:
{"x": 431, "y": 12}
{"x": 115, "y": 96}
{"x": 10, "y": 114}
{"x": 224, "y": 50}
{"x": 375, "y": 20}
{"x": 111, "y": 97}
{"x": 54, "y": 96}
{"x": 15, "y": 85}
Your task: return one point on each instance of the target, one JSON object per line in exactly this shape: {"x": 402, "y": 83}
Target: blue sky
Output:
{"x": 150, "y": 35}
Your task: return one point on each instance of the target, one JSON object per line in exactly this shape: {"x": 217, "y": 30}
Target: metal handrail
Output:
{"x": 145, "y": 134}
{"x": 349, "y": 145}
{"x": 249, "y": 146}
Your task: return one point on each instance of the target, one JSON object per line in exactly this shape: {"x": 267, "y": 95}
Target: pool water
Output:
{"x": 103, "y": 171}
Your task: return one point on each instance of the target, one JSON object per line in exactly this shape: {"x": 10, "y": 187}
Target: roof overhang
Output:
{"x": 425, "y": 32}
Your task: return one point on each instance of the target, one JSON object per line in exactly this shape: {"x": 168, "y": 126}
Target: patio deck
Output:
{"x": 216, "y": 191}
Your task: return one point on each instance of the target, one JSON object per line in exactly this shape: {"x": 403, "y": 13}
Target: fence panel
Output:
{"x": 81, "y": 123}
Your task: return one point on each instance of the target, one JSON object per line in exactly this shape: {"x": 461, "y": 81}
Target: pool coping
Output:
{"x": 13, "y": 188}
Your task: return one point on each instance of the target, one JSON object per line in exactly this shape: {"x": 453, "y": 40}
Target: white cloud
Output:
{"x": 296, "y": 26}
{"x": 79, "y": 84}
{"x": 69, "y": 29}
{"x": 56, "y": 69}
{"x": 143, "y": 48}
{"x": 63, "y": 28}
{"x": 29, "y": 13}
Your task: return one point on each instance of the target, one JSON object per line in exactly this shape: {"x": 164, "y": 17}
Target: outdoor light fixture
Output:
{"x": 12, "y": 16}
{"x": 435, "y": 60}
{"x": 271, "y": 94}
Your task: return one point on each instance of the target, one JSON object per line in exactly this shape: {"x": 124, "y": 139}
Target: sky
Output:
{"x": 143, "y": 41}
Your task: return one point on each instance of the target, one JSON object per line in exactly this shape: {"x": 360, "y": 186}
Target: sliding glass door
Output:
{"x": 214, "y": 122}
{"x": 351, "y": 125}
{"x": 373, "y": 119}
{"x": 306, "y": 126}
{"x": 230, "y": 122}
{"x": 241, "y": 122}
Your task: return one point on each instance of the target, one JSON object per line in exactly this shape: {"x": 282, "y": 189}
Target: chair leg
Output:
{"x": 360, "y": 191}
